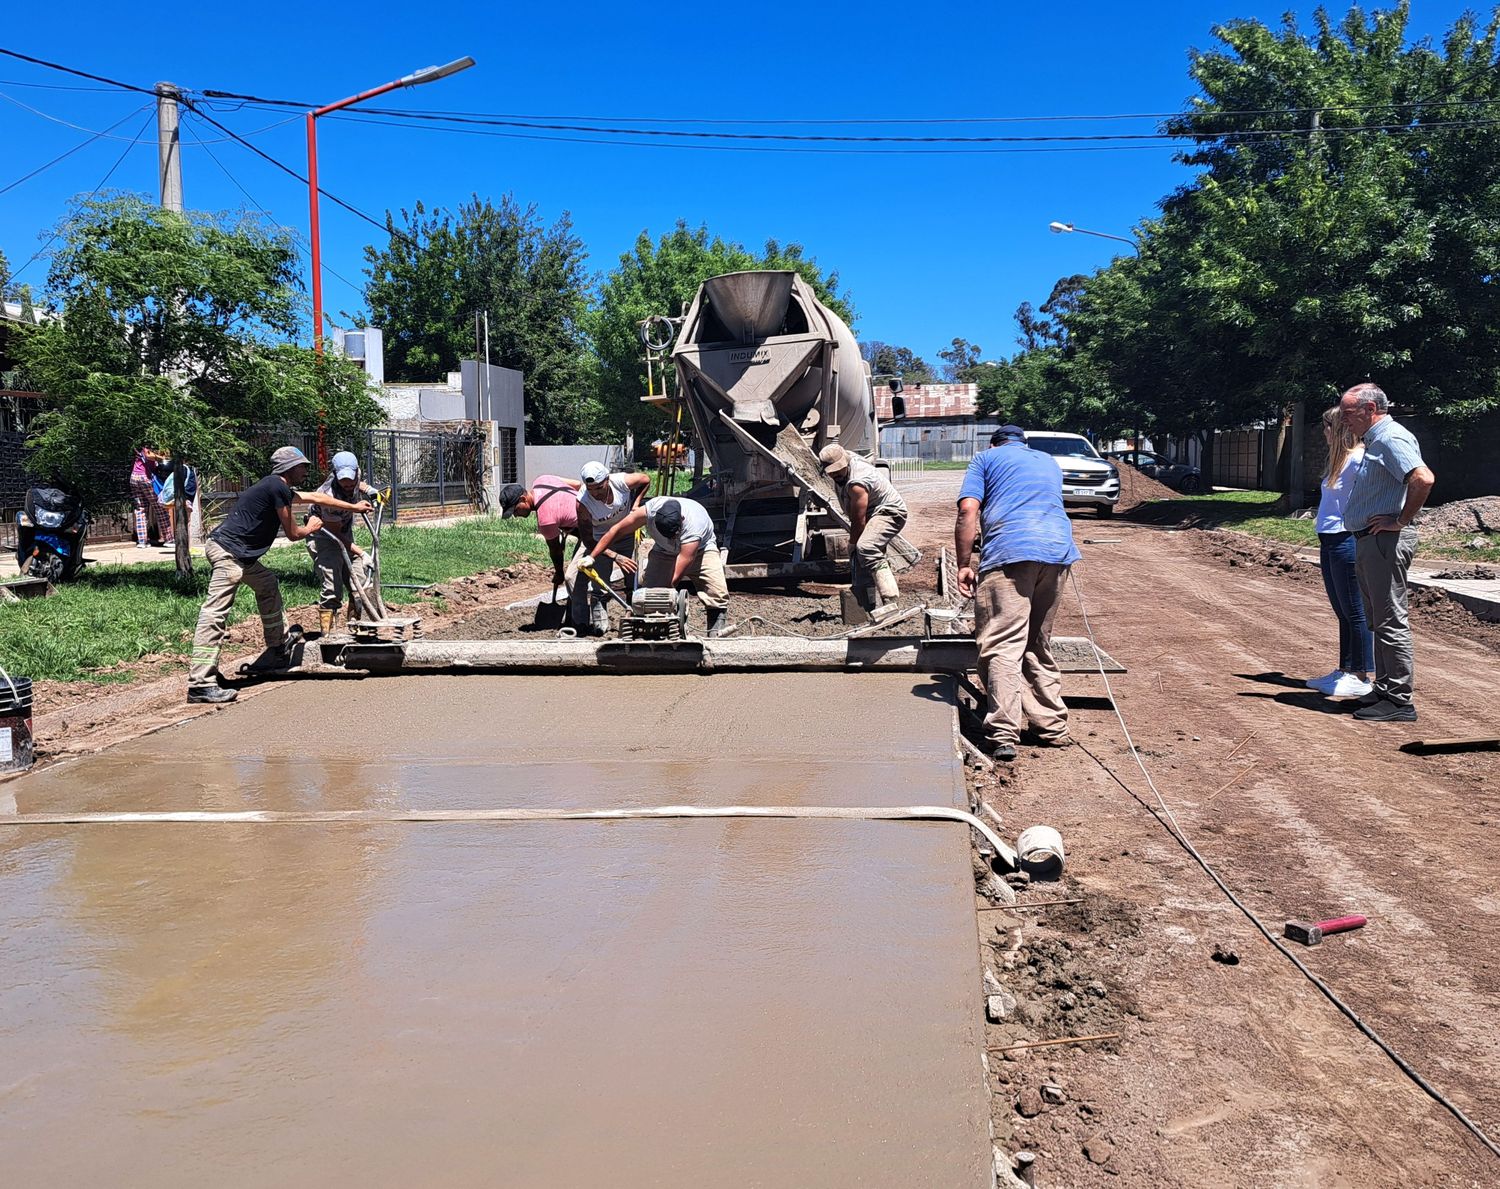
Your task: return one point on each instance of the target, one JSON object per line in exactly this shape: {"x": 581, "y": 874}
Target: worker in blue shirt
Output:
{"x": 1011, "y": 500}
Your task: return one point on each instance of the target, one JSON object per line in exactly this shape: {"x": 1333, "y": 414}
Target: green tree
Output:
{"x": 441, "y": 269}
{"x": 958, "y": 359}
{"x": 659, "y": 277}
{"x": 1344, "y": 225}
{"x": 888, "y": 360}
{"x": 173, "y": 330}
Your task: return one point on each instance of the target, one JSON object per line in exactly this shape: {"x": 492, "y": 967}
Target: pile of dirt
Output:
{"x": 1137, "y": 488}
{"x": 1462, "y": 516}
{"x": 1472, "y": 574}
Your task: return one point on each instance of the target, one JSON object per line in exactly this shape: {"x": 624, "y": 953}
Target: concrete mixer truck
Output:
{"x": 769, "y": 375}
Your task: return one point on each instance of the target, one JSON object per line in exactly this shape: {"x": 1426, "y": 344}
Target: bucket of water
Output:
{"x": 16, "y": 751}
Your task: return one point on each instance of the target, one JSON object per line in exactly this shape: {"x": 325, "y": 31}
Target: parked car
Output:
{"x": 1088, "y": 480}
{"x": 1183, "y": 476}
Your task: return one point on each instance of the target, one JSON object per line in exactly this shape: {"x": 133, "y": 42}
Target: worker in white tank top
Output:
{"x": 605, "y": 500}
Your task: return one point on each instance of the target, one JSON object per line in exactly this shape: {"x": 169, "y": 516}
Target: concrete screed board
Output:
{"x": 665, "y": 1003}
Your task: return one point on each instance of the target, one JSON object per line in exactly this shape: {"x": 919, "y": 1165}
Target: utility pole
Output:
{"x": 169, "y": 177}
{"x": 168, "y": 147}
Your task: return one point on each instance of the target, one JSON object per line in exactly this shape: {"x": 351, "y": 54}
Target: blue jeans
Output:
{"x": 1336, "y": 557}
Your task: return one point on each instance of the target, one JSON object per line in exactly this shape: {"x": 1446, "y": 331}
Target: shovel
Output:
{"x": 550, "y": 615}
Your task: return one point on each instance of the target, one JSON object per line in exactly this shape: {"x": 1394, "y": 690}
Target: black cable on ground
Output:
{"x": 1328, "y": 993}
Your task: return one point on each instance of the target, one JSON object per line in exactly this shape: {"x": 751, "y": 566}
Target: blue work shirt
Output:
{"x": 1021, "y": 512}
{"x": 1391, "y": 454}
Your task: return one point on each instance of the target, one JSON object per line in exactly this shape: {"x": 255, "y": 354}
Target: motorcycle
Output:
{"x": 50, "y": 534}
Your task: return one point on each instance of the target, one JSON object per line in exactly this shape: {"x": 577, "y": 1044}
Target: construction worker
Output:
{"x": 877, "y": 514}
{"x": 555, "y": 502}
{"x": 234, "y": 550}
{"x": 605, "y": 500}
{"x": 1015, "y": 494}
{"x": 328, "y": 554}
{"x": 683, "y": 551}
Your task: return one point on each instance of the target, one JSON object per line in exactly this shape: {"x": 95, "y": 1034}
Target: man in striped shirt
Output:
{"x": 1392, "y": 485}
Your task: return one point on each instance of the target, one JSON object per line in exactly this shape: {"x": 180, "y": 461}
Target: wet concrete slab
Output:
{"x": 756, "y": 1002}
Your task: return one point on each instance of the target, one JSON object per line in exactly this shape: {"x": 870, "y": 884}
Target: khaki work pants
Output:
{"x": 334, "y": 573}
{"x": 1013, "y": 610}
{"x": 225, "y": 578}
{"x": 1380, "y": 563}
{"x": 872, "y": 567}
{"x": 706, "y": 575}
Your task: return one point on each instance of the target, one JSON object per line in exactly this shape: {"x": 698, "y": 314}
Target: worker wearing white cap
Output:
{"x": 684, "y": 551}
{"x": 877, "y": 514}
{"x": 337, "y": 560}
{"x": 605, "y": 500}
{"x": 234, "y": 550}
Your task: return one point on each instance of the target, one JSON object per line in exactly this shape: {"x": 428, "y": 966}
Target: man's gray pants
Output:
{"x": 1380, "y": 562}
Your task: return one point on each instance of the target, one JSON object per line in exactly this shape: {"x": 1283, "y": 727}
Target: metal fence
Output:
{"x": 904, "y": 468}
{"x": 424, "y": 469}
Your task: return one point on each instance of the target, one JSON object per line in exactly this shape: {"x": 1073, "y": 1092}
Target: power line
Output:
{"x": 74, "y": 149}
{"x": 869, "y": 121}
{"x": 744, "y": 148}
{"x": 98, "y": 78}
{"x": 287, "y": 169}
{"x": 261, "y": 208}
{"x": 37, "y": 255}
{"x": 58, "y": 119}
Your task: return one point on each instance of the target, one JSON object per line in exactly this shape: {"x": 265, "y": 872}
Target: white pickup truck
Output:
{"x": 1088, "y": 480}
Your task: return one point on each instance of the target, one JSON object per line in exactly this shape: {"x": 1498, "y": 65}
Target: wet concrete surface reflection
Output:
{"x": 775, "y": 1003}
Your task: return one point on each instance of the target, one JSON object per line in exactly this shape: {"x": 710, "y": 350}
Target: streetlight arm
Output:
{"x": 1059, "y": 228}
{"x": 428, "y": 74}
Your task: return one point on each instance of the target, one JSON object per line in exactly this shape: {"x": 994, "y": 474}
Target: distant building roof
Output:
{"x": 930, "y": 400}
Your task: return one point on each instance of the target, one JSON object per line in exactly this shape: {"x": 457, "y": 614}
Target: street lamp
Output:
{"x": 1059, "y": 228}
{"x": 428, "y": 74}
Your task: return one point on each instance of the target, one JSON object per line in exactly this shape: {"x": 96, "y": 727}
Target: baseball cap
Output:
{"x": 835, "y": 459}
{"x": 285, "y": 458}
{"x": 595, "y": 472}
{"x": 669, "y": 519}
{"x": 1014, "y": 432}
{"x": 345, "y": 465}
{"x": 510, "y": 496}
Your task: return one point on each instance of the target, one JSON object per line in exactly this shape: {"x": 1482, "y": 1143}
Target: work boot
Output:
{"x": 212, "y": 695}
{"x": 1003, "y": 753}
{"x": 884, "y": 611}
{"x": 886, "y": 590}
{"x": 716, "y": 617}
{"x": 599, "y": 624}
{"x": 325, "y": 621}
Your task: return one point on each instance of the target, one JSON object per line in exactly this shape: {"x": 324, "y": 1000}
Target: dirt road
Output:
{"x": 1243, "y": 1074}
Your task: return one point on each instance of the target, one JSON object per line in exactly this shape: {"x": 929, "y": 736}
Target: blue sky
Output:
{"x": 927, "y": 246}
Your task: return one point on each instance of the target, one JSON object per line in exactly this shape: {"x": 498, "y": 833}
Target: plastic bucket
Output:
{"x": 1041, "y": 852}
{"x": 16, "y": 751}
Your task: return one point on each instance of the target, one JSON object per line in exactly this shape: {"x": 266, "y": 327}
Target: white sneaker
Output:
{"x": 1324, "y": 683}
{"x": 1348, "y": 686}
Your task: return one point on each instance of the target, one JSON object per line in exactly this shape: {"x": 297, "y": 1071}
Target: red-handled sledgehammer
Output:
{"x": 1314, "y": 934}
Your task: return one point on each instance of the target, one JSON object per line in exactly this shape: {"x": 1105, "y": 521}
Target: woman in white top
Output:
{"x": 1336, "y": 555}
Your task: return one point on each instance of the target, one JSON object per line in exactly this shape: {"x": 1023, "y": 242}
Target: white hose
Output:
{"x": 375, "y": 816}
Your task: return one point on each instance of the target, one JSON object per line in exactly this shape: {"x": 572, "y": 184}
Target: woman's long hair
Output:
{"x": 1344, "y": 443}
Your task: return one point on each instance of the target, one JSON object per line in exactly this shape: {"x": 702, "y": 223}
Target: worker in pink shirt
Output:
{"x": 555, "y": 502}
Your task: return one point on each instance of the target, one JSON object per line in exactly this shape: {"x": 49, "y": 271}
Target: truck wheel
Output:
{"x": 1190, "y": 485}
{"x": 1105, "y": 509}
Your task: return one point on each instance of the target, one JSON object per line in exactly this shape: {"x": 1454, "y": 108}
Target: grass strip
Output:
{"x": 1253, "y": 512}
{"x": 115, "y": 615}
